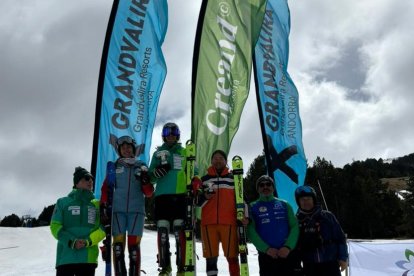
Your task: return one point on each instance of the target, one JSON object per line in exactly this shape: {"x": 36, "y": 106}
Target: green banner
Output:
{"x": 221, "y": 72}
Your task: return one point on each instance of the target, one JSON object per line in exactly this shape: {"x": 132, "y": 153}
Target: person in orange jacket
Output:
{"x": 218, "y": 215}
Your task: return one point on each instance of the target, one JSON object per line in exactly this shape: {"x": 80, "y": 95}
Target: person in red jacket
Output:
{"x": 218, "y": 215}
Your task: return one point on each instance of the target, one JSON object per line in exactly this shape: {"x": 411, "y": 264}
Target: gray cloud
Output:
{"x": 351, "y": 61}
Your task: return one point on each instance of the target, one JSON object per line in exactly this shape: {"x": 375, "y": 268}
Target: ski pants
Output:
{"x": 322, "y": 269}
{"x": 213, "y": 234}
{"x": 76, "y": 270}
{"x": 275, "y": 267}
{"x": 133, "y": 223}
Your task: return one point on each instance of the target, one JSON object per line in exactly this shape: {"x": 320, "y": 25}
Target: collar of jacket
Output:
{"x": 266, "y": 198}
{"x": 174, "y": 147}
{"x": 312, "y": 213}
{"x": 83, "y": 195}
{"x": 213, "y": 172}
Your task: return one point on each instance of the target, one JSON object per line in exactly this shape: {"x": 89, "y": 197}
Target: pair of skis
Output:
{"x": 237, "y": 164}
{"x": 107, "y": 243}
{"x": 189, "y": 223}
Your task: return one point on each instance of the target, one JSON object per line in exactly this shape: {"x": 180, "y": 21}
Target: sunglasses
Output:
{"x": 167, "y": 131}
{"x": 87, "y": 177}
{"x": 267, "y": 184}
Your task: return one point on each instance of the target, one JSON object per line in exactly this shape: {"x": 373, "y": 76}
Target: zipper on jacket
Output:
{"x": 129, "y": 188}
{"x": 218, "y": 198}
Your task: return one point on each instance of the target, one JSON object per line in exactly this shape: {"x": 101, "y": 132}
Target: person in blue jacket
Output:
{"x": 273, "y": 229}
{"x": 132, "y": 185}
{"x": 322, "y": 244}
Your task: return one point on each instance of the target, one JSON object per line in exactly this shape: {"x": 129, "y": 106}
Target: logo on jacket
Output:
{"x": 265, "y": 220}
{"x": 75, "y": 210}
{"x": 263, "y": 209}
{"x": 91, "y": 215}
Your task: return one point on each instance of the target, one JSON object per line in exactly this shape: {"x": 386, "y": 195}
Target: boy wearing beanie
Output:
{"x": 75, "y": 224}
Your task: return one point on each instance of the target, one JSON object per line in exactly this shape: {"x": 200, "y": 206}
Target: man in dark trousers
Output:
{"x": 273, "y": 229}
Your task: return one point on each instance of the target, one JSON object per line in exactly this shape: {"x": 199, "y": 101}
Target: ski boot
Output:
{"x": 164, "y": 255}
{"x": 119, "y": 262}
{"x": 165, "y": 271}
{"x": 134, "y": 260}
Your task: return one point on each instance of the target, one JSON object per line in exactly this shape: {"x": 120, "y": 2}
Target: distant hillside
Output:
{"x": 396, "y": 183}
{"x": 396, "y": 172}
{"x": 403, "y": 166}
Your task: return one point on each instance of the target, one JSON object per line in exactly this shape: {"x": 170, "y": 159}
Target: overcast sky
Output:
{"x": 352, "y": 62}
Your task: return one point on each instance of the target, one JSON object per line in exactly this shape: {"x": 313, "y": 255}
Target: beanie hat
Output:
{"x": 222, "y": 153}
{"x": 79, "y": 174}
{"x": 264, "y": 178}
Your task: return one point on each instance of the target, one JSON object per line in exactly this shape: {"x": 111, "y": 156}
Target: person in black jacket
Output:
{"x": 322, "y": 244}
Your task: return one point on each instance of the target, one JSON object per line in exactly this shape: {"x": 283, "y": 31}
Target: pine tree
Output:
{"x": 408, "y": 226}
{"x": 11, "y": 221}
{"x": 46, "y": 215}
{"x": 256, "y": 169}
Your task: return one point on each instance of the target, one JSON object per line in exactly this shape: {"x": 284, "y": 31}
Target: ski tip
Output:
{"x": 236, "y": 157}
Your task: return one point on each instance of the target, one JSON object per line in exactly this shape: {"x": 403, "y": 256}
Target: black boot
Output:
{"x": 164, "y": 255}
{"x": 119, "y": 262}
{"x": 134, "y": 260}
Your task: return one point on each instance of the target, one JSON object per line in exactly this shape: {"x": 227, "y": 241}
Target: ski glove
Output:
{"x": 145, "y": 179}
{"x": 147, "y": 190}
{"x": 196, "y": 184}
{"x": 105, "y": 216}
{"x": 162, "y": 170}
{"x": 86, "y": 243}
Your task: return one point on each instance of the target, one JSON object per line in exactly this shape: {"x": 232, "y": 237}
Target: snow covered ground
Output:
{"x": 32, "y": 251}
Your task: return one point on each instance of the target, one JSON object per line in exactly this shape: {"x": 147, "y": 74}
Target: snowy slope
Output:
{"x": 32, "y": 251}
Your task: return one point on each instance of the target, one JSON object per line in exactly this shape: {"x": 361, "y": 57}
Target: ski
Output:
{"x": 237, "y": 164}
{"x": 107, "y": 251}
{"x": 189, "y": 258}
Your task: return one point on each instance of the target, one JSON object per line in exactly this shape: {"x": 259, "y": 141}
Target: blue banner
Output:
{"x": 131, "y": 77}
{"x": 278, "y": 103}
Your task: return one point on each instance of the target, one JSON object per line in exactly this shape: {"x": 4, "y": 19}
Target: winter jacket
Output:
{"x": 127, "y": 194}
{"x": 272, "y": 224}
{"x": 77, "y": 217}
{"x": 174, "y": 182}
{"x": 221, "y": 208}
{"x": 321, "y": 237}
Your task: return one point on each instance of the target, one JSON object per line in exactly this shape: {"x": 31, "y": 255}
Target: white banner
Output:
{"x": 381, "y": 258}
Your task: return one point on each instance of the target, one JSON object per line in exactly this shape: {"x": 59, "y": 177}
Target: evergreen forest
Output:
{"x": 372, "y": 199}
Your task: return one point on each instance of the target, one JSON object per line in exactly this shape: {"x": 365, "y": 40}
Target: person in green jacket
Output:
{"x": 75, "y": 224}
{"x": 167, "y": 170}
{"x": 273, "y": 229}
